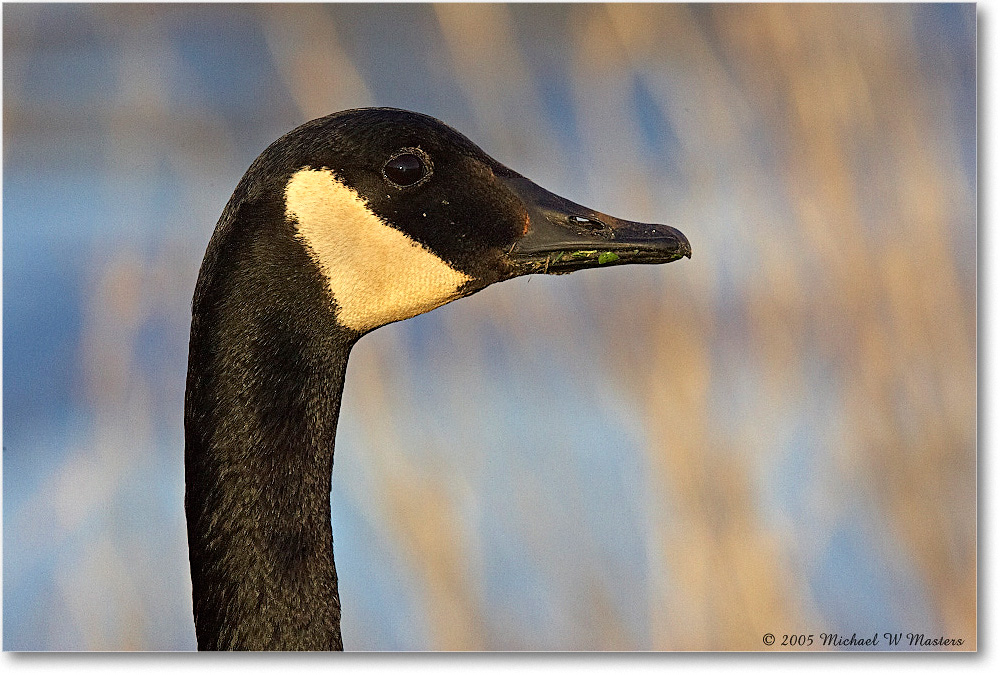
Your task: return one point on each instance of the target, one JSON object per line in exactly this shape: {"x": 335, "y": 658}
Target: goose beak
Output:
{"x": 561, "y": 236}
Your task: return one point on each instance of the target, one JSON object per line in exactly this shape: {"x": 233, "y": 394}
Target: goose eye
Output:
{"x": 406, "y": 169}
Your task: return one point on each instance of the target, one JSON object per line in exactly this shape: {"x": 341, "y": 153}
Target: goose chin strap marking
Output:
{"x": 351, "y": 245}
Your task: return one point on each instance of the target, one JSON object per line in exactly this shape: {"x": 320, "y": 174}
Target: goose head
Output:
{"x": 402, "y": 214}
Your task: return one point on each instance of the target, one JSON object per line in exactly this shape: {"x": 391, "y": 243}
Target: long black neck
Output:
{"x": 266, "y": 372}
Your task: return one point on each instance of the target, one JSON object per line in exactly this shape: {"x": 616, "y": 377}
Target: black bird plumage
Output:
{"x": 269, "y": 349}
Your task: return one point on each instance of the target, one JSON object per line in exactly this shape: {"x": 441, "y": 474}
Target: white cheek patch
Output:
{"x": 376, "y": 273}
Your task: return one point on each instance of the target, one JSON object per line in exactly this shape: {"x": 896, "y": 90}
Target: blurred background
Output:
{"x": 778, "y": 435}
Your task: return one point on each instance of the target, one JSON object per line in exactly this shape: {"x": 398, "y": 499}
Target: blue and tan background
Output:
{"x": 778, "y": 435}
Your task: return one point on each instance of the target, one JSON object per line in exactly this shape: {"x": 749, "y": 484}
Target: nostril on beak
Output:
{"x": 587, "y": 223}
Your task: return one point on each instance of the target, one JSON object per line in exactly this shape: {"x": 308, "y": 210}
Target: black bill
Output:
{"x": 563, "y": 237}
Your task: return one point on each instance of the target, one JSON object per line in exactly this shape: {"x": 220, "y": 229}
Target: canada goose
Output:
{"x": 345, "y": 224}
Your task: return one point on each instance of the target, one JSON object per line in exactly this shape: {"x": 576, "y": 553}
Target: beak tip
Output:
{"x": 684, "y": 246}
